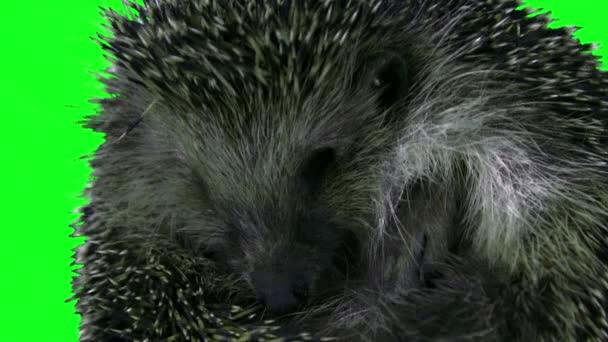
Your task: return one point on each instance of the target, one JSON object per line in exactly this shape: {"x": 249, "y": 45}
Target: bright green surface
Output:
{"x": 46, "y": 57}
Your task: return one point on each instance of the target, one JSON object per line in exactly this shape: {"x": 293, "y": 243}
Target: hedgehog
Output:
{"x": 361, "y": 170}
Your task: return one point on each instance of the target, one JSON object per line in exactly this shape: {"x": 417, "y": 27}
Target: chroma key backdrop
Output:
{"x": 47, "y": 65}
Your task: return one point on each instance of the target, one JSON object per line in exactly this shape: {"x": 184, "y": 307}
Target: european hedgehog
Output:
{"x": 375, "y": 170}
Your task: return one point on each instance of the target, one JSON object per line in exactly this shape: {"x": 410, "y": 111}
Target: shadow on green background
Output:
{"x": 46, "y": 80}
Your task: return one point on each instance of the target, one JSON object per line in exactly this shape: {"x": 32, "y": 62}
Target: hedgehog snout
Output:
{"x": 278, "y": 291}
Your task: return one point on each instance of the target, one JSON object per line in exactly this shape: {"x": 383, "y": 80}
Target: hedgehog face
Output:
{"x": 286, "y": 187}
{"x": 291, "y": 145}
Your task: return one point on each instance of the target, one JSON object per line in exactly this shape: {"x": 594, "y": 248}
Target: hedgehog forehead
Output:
{"x": 264, "y": 146}
{"x": 269, "y": 141}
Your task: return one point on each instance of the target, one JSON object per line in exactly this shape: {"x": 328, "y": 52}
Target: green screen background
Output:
{"x": 46, "y": 81}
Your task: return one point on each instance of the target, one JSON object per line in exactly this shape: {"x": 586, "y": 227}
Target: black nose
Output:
{"x": 278, "y": 292}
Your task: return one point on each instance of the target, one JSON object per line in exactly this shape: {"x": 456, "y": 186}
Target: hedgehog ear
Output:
{"x": 389, "y": 77}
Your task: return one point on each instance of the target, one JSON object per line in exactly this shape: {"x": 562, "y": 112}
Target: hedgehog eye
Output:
{"x": 389, "y": 77}
{"x": 317, "y": 165}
